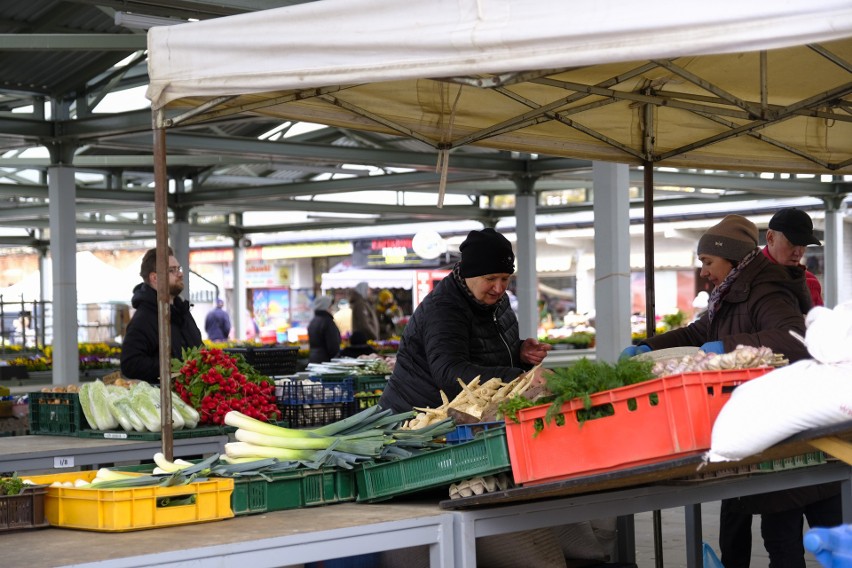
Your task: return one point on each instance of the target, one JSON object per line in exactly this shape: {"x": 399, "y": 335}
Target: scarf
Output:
{"x": 721, "y": 290}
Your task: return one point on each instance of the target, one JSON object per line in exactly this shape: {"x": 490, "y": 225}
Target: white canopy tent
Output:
{"x": 537, "y": 76}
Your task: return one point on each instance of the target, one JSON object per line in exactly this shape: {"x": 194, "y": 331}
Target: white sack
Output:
{"x": 807, "y": 394}
{"x": 829, "y": 334}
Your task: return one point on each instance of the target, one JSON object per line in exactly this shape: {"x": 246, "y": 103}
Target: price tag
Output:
{"x": 63, "y": 462}
{"x": 115, "y": 435}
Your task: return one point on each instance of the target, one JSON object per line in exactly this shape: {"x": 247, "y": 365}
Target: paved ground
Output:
{"x": 674, "y": 541}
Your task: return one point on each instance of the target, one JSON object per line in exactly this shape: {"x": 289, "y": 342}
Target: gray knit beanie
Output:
{"x": 732, "y": 238}
{"x": 322, "y": 303}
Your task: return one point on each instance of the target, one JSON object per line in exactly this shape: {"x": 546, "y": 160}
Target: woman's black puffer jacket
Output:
{"x": 452, "y": 336}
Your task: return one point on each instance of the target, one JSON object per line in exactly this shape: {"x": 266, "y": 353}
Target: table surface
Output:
{"x": 59, "y": 547}
{"x": 687, "y": 469}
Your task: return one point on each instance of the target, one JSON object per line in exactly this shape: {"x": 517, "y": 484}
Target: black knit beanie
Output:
{"x": 486, "y": 252}
{"x": 732, "y": 238}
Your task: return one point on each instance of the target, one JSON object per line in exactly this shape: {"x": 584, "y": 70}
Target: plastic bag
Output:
{"x": 710, "y": 558}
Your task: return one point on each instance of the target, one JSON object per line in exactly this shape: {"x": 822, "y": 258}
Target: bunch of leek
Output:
{"x": 364, "y": 436}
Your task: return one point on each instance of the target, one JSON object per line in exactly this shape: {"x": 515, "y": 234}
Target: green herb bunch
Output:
{"x": 585, "y": 378}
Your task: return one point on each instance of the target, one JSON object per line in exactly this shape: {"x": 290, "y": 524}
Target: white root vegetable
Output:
{"x": 473, "y": 399}
{"x": 742, "y": 357}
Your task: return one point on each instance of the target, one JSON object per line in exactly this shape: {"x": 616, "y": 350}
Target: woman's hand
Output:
{"x": 533, "y": 351}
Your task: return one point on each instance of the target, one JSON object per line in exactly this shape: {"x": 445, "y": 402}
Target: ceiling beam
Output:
{"x": 72, "y": 42}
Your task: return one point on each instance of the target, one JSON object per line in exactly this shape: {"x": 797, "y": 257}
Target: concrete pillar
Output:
{"x": 832, "y": 291}
{"x": 240, "y": 304}
{"x": 61, "y": 192}
{"x": 612, "y": 259}
{"x": 526, "y": 277}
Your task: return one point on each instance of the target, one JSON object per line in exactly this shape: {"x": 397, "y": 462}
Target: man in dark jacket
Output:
{"x": 140, "y": 350}
{"x": 464, "y": 328}
{"x": 217, "y": 324}
{"x": 323, "y": 335}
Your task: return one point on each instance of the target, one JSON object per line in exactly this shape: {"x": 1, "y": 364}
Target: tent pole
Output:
{"x": 161, "y": 191}
{"x": 650, "y": 300}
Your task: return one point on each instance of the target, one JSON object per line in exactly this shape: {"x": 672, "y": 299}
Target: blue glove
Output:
{"x": 633, "y": 350}
{"x": 713, "y": 347}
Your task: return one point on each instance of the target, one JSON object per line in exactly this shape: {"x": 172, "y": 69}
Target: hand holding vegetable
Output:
{"x": 533, "y": 351}
{"x": 633, "y": 350}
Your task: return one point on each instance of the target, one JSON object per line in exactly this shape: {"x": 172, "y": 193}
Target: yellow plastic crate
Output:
{"x": 117, "y": 510}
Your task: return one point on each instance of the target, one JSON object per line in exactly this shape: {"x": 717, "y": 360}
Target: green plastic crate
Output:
{"x": 292, "y": 490}
{"x": 803, "y": 460}
{"x": 198, "y": 432}
{"x": 60, "y": 414}
{"x": 56, "y": 414}
{"x": 487, "y": 454}
{"x": 282, "y": 490}
{"x": 370, "y": 383}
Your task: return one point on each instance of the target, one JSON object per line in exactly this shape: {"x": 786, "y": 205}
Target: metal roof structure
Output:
{"x": 59, "y": 59}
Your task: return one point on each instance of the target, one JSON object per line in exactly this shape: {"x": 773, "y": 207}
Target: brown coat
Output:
{"x": 364, "y": 317}
{"x": 762, "y": 306}
{"x": 764, "y": 303}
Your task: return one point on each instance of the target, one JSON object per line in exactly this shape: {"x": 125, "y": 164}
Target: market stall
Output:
{"x": 349, "y": 529}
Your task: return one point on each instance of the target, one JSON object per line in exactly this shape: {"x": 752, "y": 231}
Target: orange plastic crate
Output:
{"x": 650, "y": 422}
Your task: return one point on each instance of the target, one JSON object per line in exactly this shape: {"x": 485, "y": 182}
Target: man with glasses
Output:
{"x": 140, "y": 350}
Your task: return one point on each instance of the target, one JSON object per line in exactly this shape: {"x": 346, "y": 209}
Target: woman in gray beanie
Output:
{"x": 323, "y": 335}
{"x": 464, "y": 328}
{"x": 754, "y": 302}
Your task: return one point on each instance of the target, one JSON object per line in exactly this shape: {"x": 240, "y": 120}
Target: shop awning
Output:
{"x": 375, "y": 278}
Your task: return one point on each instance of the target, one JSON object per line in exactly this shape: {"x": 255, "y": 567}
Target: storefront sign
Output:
{"x": 424, "y": 281}
{"x": 387, "y": 253}
{"x": 266, "y": 274}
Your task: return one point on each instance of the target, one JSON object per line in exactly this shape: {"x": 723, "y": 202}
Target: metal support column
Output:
{"x": 526, "y": 278}
{"x": 835, "y": 210}
{"x": 612, "y": 259}
{"x": 62, "y": 192}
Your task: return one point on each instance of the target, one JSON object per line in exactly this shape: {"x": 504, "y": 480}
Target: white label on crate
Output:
{"x": 115, "y": 435}
{"x": 62, "y": 462}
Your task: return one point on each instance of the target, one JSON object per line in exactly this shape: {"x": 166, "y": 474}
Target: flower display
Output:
{"x": 215, "y": 382}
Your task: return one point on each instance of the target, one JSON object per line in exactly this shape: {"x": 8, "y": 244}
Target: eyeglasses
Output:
{"x": 175, "y": 270}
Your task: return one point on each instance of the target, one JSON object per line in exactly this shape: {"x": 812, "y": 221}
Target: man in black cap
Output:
{"x": 790, "y": 232}
{"x": 464, "y": 328}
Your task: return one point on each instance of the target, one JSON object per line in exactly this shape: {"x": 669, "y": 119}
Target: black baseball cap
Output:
{"x": 796, "y": 226}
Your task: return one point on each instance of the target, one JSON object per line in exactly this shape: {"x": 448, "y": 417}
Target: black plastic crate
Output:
{"x": 313, "y": 415}
{"x": 270, "y": 361}
{"x": 314, "y": 392}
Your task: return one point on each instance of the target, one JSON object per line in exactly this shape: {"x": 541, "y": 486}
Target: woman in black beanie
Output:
{"x": 463, "y": 329}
